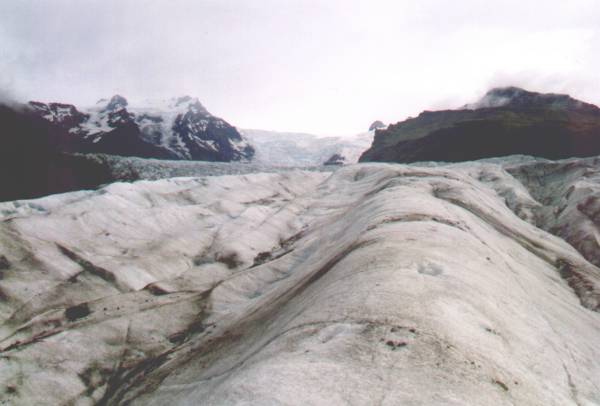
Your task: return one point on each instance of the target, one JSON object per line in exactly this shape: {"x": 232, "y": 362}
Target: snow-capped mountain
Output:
{"x": 179, "y": 128}
{"x": 299, "y": 149}
{"x": 237, "y": 290}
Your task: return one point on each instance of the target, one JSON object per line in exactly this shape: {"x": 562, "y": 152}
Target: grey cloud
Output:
{"x": 298, "y": 65}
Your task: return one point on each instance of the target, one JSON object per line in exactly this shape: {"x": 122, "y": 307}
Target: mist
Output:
{"x": 325, "y": 67}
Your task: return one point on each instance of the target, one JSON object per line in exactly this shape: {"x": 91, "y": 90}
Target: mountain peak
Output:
{"x": 516, "y": 97}
{"x": 189, "y": 102}
{"x": 507, "y": 91}
{"x": 116, "y": 102}
{"x": 500, "y": 96}
{"x": 377, "y": 124}
{"x": 185, "y": 99}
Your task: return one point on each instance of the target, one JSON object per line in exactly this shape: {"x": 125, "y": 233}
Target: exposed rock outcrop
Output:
{"x": 335, "y": 159}
{"x": 376, "y": 125}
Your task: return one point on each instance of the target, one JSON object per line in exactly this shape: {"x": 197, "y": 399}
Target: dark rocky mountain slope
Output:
{"x": 41, "y": 145}
{"x": 505, "y": 121}
{"x": 34, "y": 159}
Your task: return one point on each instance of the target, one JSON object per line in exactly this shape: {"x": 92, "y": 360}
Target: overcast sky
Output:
{"x": 327, "y": 67}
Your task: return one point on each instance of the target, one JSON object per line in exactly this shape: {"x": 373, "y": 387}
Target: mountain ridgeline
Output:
{"x": 48, "y": 148}
{"x": 180, "y": 128}
{"x": 44, "y": 146}
{"x": 506, "y": 121}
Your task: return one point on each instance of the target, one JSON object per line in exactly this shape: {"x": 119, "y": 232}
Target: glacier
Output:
{"x": 285, "y": 149}
{"x": 471, "y": 283}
